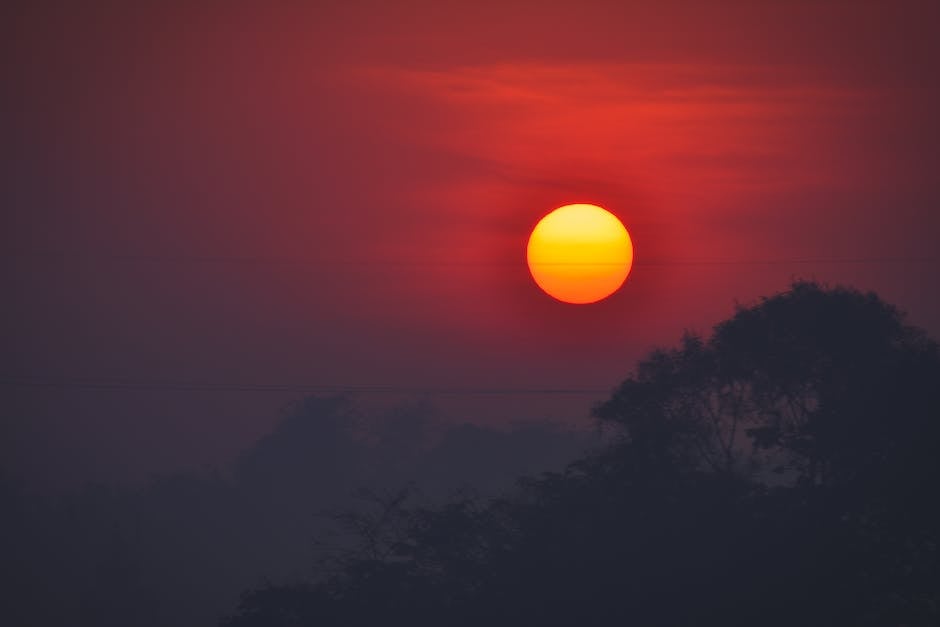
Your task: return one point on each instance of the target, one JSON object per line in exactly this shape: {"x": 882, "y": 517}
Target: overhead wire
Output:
{"x": 206, "y": 386}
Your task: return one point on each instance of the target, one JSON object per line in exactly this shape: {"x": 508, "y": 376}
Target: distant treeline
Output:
{"x": 177, "y": 551}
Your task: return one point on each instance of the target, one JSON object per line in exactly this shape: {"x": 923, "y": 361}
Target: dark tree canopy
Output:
{"x": 781, "y": 472}
{"x": 818, "y": 385}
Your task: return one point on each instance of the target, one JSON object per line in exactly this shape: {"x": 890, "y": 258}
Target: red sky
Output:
{"x": 339, "y": 194}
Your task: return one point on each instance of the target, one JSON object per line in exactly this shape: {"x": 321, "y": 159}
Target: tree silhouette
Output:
{"x": 179, "y": 549}
{"x": 779, "y": 472}
{"x": 819, "y": 384}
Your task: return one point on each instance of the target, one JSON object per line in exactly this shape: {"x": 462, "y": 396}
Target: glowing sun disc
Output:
{"x": 579, "y": 253}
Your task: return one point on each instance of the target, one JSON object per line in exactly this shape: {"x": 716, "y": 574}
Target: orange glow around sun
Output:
{"x": 580, "y": 253}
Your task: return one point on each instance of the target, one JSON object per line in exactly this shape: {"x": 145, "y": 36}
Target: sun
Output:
{"x": 579, "y": 253}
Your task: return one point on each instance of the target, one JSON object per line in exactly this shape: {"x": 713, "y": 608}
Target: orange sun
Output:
{"x": 579, "y": 253}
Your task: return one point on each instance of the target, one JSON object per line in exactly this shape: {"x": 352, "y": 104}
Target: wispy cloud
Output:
{"x": 673, "y": 127}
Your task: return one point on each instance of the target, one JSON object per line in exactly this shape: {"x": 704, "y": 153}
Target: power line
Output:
{"x": 204, "y": 386}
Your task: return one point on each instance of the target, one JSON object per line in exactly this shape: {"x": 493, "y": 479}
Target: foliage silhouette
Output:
{"x": 781, "y": 472}
{"x": 178, "y": 550}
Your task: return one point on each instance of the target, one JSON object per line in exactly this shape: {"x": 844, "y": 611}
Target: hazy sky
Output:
{"x": 339, "y": 195}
